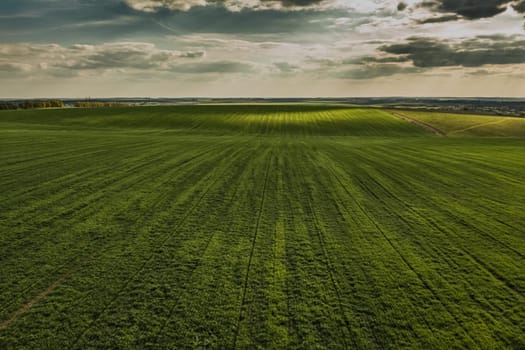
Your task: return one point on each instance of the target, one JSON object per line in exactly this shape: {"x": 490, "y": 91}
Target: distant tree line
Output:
{"x": 31, "y": 104}
{"x": 93, "y": 104}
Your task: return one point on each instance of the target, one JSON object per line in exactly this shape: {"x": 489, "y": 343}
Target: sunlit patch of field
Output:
{"x": 470, "y": 125}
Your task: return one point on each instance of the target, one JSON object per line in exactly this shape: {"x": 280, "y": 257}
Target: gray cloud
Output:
{"x": 440, "y": 19}
{"x": 519, "y": 6}
{"x": 213, "y": 67}
{"x": 233, "y": 5}
{"x": 401, "y": 6}
{"x": 298, "y": 3}
{"x": 193, "y": 54}
{"x": 97, "y": 21}
{"x": 468, "y": 9}
{"x": 77, "y": 59}
{"x": 476, "y": 52}
{"x": 376, "y": 59}
{"x": 285, "y": 67}
{"x": 376, "y": 71}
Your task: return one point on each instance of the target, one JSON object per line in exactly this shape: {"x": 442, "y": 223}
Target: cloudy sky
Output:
{"x": 270, "y": 48}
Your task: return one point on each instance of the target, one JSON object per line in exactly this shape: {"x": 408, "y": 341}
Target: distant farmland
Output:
{"x": 261, "y": 226}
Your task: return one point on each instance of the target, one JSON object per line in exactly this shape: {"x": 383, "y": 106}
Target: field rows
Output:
{"x": 120, "y": 239}
{"x": 220, "y": 120}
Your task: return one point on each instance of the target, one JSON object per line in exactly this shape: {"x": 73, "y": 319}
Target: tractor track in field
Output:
{"x": 328, "y": 262}
{"x": 420, "y": 123}
{"x": 489, "y": 209}
{"x": 200, "y": 259}
{"x": 14, "y": 173}
{"x": 418, "y": 315}
{"x": 149, "y": 258}
{"x": 291, "y": 324}
{"x": 252, "y": 250}
{"x": 503, "y": 120}
{"x": 78, "y": 210}
{"x": 87, "y": 171}
{"x": 59, "y": 268}
{"x": 340, "y": 207}
{"x": 45, "y": 156}
{"x": 462, "y": 222}
{"x": 76, "y": 258}
{"x": 124, "y": 175}
{"x": 159, "y": 199}
{"x": 100, "y": 192}
{"x": 290, "y": 218}
{"x": 35, "y": 300}
{"x": 58, "y": 158}
{"x": 444, "y": 256}
{"x": 82, "y": 204}
{"x": 401, "y": 256}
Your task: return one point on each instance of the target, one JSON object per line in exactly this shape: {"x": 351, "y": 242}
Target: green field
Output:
{"x": 466, "y": 124}
{"x": 268, "y": 226}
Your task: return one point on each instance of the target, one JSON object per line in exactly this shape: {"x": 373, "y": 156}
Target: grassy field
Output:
{"x": 466, "y": 124}
{"x": 269, "y": 227}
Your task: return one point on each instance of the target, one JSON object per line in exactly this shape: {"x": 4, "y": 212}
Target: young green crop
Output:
{"x": 466, "y": 124}
{"x": 257, "y": 227}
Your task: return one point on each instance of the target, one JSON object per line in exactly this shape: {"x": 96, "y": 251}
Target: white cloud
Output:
{"x": 81, "y": 59}
{"x": 232, "y": 5}
{"x": 154, "y": 5}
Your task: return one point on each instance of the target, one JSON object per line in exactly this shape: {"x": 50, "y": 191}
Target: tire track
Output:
{"x": 290, "y": 218}
{"x": 145, "y": 216}
{"x": 328, "y": 262}
{"x": 402, "y": 257}
{"x": 137, "y": 183}
{"x": 461, "y": 221}
{"x": 123, "y": 171}
{"x": 33, "y": 301}
{"x": 246, "y": 277}
{"x": 480, "y": 125}
{"x": 148, "y": 259}
{"x": 420, "y": 123}
{"x": 204, "y": 250}
{"x": 59, "y": 182}
{"x": 443, "y": 256}
{"x": 369, "y": 321}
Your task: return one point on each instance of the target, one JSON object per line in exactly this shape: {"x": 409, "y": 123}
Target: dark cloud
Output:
{"x": 439, "y": 19}
{"x": 401, "y": 6}
{"x": 213, "y": 67}
{"x": 68, "y": 22}
{"x": 376, "y": 71}
{"x": 285, "y": 67}
{"x": 470, "y": 9}
{"x": 298, "y": 3}
{"x": 477, "y": 52}
{"x": 376, "y": 59}
{"x": 519, "y": 6}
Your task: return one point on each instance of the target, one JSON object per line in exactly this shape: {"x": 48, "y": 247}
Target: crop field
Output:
{"x": 260, "y": 227}
{"x": 465, "y": 124}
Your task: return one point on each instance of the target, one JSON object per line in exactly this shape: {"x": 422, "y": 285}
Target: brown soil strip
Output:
{"x": 32, "y": 302}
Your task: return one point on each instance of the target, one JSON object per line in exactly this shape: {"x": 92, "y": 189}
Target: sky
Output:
{"x": 261, "y": 48}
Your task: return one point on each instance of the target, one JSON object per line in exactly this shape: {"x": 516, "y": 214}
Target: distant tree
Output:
{"x": 93, "y": 104}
